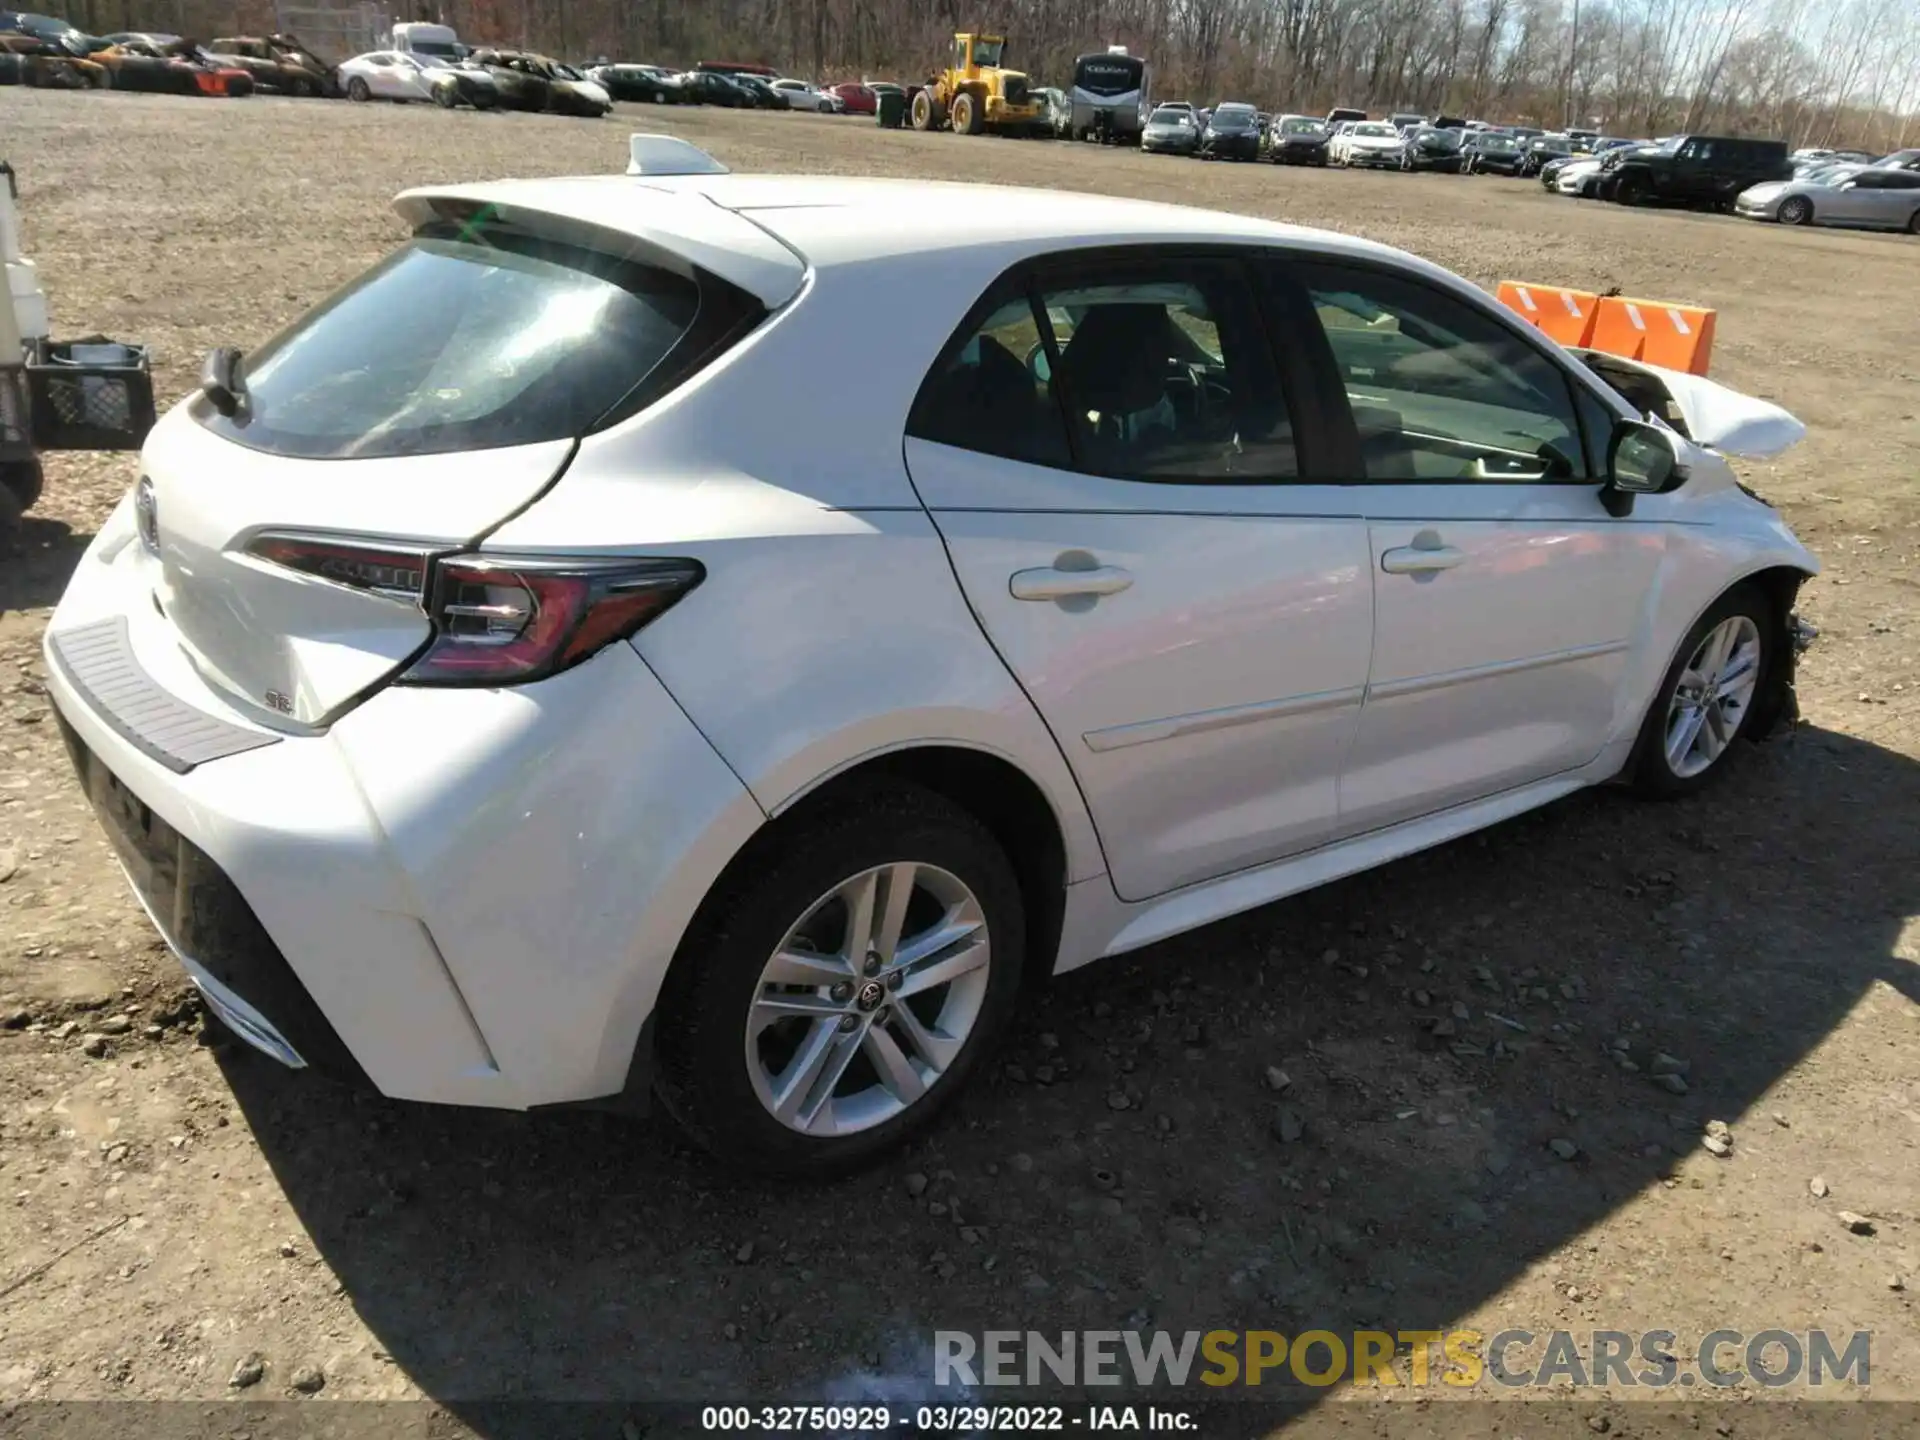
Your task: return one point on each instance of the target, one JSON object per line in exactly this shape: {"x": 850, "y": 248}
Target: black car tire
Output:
{"x": 714, "y": 981}
{"x": 1649, "y": 771}
{"x": 1632, "y": 190}
{"x": 1913, "y": 223}
{"x": 1796, "y": 210}
{"x": 447, "y": 97}
{"x": 357, "y": 90}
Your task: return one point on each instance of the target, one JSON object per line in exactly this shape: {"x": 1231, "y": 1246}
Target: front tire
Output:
{"x": 1796, "y": 210}
{"x": 967, "y": 119}
{"x": 357, "y": 90}
{"x": 1707, "y": 698}
{"x": 841, "y": 983}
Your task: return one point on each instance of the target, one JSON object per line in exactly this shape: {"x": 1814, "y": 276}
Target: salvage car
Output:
{"x": 454, "y": 84}
{"x": 534, "y": 82}
{"x": 1490, "y": 152}
{"x": 1368, "y": 143}
{"x": 761, "y": 93}
{"x": 804, "y": 95}
{"x": 1232, "y": 133}
{"x": 302, "y": 73}
{"x": 1297, "y": 140}
{"x": 641, "y": 84}
{"x": 1859, "y": 197}
{"x": 1710, "y": 170}
{"x": 389, "y": 75}
{"x": 707, "y": 87}
{"x": 1542, "y": 150}
{"x": 168, "y": 65}
{"x": 551, "y": 765}
{"x": 1428, "y": 147}
{"x": 30, "y": 61}
{"x": 854, "y": 98}
{"x": 1171, "y": 130}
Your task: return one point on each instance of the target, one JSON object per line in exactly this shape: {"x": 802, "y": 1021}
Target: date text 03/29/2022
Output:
{"x": 942, "y": 1419}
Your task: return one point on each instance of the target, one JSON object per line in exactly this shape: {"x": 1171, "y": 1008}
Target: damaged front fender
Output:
{"x": 1704, "y": 411}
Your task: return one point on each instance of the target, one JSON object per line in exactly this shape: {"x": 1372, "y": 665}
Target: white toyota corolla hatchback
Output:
{"x": 723, "y": 636}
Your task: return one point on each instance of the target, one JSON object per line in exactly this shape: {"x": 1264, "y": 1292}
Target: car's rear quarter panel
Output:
{"x": 830, "y": 628}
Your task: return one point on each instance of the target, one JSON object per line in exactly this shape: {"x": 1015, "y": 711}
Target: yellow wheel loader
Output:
{"x": 974, "y": 94}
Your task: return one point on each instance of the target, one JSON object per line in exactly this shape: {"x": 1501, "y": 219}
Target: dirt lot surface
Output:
{"x": 169, "y": 1207}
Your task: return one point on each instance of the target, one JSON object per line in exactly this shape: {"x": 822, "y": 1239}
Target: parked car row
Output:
{"x": 1756, "y": 179}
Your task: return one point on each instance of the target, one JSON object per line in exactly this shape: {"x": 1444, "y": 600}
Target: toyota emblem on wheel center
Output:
{"x": 146, "y": 513}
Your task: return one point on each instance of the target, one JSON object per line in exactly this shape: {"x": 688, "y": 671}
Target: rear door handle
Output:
{"x": 1420, "y": 559}
{"x": 1053, "y": 584}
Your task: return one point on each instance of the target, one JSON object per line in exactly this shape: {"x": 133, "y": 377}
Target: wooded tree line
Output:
{"x": 1812, "y": 71}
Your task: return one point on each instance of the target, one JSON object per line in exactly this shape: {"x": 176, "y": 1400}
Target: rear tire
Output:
{"x": 737, "y": 1022}
{"x": 922, "y": 111}
{"x": 1707, "y": 697}
{"x": 446, "y": 97}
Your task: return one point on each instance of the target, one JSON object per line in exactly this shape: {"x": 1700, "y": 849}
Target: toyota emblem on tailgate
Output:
{"x": 146, "y": 514}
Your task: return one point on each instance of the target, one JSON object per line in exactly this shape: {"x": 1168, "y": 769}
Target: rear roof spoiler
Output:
{"x": 658, "y": 222}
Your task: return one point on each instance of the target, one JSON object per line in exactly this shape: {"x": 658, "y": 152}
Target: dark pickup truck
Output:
{"x": 1696, "y": 170}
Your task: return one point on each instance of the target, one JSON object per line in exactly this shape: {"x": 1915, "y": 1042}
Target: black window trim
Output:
{"x": 1026, "y": 277}
{"x": 1326, "y": 440}
{"x": 1574, "y": 375}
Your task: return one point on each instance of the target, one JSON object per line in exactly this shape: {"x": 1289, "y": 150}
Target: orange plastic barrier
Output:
{"x": 1676, "y": 337}
{"x": 1566, "y": 315}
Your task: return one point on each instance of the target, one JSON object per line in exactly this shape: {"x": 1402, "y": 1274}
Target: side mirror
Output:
{"x": 1643, "y": 459}
{"x": 220, "y": 383}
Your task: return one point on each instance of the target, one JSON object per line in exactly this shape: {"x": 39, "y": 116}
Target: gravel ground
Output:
{"x": 1448, "y": 1026}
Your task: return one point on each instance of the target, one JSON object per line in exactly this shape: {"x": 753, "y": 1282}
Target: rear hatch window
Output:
{"x": 465, "y": 339}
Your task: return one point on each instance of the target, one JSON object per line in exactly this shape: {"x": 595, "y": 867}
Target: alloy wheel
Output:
{"x": 869, "y": 999}
{"x": 1712, "y": 696}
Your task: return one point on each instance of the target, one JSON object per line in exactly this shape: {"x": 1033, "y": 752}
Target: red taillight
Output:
{"x": 499, "y": 621}
{"x": 395, "y": 572}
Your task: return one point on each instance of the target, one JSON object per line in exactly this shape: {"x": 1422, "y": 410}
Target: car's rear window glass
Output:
{"x": 461, "y": 342}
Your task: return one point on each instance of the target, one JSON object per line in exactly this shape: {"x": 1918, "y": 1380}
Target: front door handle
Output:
{"x": 1420, "y": 559}
{"x": 1054, "y": 584}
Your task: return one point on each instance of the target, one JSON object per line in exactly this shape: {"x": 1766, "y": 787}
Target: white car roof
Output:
{"x": 763, "y": 232}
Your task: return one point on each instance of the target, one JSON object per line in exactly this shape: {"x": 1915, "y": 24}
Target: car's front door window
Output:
{"x": 1438, "y": 391}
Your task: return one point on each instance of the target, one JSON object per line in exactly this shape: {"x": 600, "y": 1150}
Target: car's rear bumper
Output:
{"x": 465, "y": 896}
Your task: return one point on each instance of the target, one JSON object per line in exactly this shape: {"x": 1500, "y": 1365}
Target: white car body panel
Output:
{"x": 802, "y": 96}
{"x": 410, "y": 854}
{"x": 390, "y": 75}
{"x": 414, "y": 904}
{"x": 1721, "y": 418}
{"x": 1206, "y": 708}
{"x": 1575, "y": 177}
{"x": 317, "y": 644}
{"x": 681, "y": 224}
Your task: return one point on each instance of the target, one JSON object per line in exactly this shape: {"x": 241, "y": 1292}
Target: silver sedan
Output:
{"x": 1860, "y": 196}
